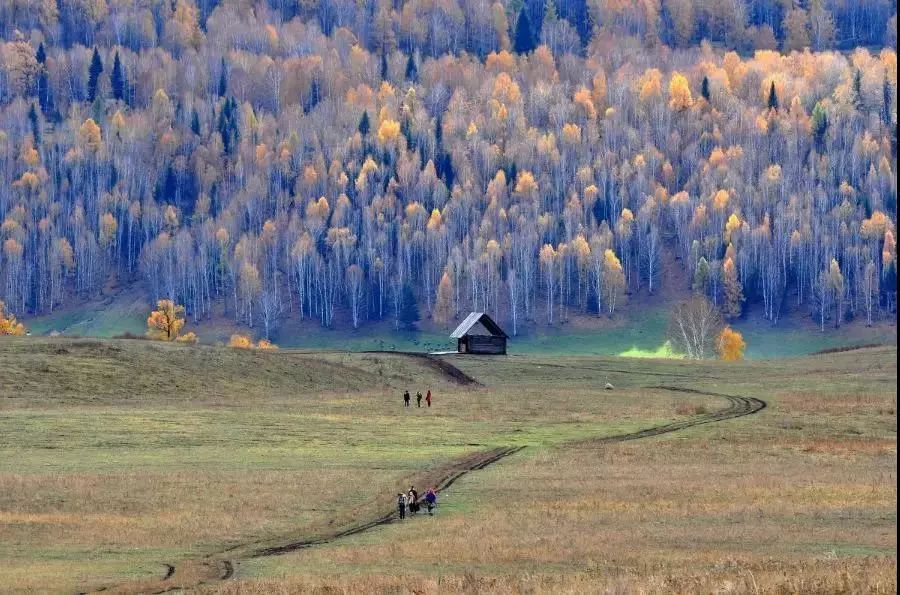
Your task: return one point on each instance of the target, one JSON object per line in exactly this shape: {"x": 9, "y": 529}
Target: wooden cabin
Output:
{"x": 479, "y": 334}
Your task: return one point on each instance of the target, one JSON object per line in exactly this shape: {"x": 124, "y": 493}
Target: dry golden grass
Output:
{"x": 865, "y": 575}
{"x": 106, "y": 474}
{"x": 799, "y": 499}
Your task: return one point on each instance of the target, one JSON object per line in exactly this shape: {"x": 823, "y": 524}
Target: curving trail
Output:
{"x": 219, "y": 566}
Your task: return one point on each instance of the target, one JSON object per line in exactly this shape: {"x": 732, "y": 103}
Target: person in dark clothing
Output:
{"x": 430, "y": 501}
{"x": 428, "y": 398}
{"x": 419, "y": 399}
{"x": 401, "y": 505}
{"x": 413, "y": 499}
{"x": 406, "y": 398}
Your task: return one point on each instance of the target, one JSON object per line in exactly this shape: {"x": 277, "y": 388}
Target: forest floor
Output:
{"x": 120, "y": 460}
{"x": 638, "y": 331}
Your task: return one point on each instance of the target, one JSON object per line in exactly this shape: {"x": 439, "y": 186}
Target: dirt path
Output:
{"x": 219, "y": 566}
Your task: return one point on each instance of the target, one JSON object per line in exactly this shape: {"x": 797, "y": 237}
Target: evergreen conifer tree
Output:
{"x": 117, "y": 79}
{"x": 412, "y": 72}
{"x": 857, "y": 90}
{"x": 94, "y": 72}
{"x": 33, "y": 120}
{"x": 223, "y": 79}
{"x": 772, "y": 102}
{"x": 887, "y": 96}
{"x": 364, "y": 125}
{"x": 819, "y": 126}
{"x": 409, "y": 309}
{"x": 524, "y": 41}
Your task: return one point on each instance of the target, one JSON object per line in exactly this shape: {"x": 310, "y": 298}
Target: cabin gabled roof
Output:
{"x": 473, "y": 319}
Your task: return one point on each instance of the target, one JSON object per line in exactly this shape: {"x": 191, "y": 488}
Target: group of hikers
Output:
{"x": 406, "y": 398}
{"x": 410, "y": 501}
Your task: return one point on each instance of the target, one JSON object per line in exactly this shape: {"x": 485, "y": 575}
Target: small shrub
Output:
{"x": 131, "y": 336}
{"x": 690, "y": 409}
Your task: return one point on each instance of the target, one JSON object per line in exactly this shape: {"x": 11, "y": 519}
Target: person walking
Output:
{"x": 430, "y": 501}
{"x": 406, "y": 398}
{"x": 428, "y": 398}
{"x": 401, "y": 505}
{"x": 413, "y": 500}
{"x": 419, "y": 399}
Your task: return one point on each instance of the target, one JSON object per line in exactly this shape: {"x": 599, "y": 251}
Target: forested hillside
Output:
{"x": 358, "y": 161}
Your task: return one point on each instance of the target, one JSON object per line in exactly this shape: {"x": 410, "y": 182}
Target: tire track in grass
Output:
{"x": 220, "y": 566}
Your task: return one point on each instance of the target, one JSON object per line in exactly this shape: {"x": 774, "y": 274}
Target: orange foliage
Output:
{"x": 238, "y": 341}
{"x": 8, "y": 324}
{"x": 730, "y": 345}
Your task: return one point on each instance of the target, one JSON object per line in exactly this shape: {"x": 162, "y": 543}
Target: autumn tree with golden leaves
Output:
{"x": 730, "y": 345}
{"x": 166, "y": 323}
{"x": 9, "y": 326}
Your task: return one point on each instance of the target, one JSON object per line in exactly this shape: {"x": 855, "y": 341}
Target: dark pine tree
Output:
{"x": 704, "y": 88}
{"x": 439, "y": 135}
{"x": 412, "y": 72}
{"x": 314, "y": 97}
{"x": 887, "y": 97}
{"x": 43, "y": 81}
{"x": 524, "y": 41}
{"x": 167, "y": 187}
{"x": 443, "y": 163}
{"x": 772, "y": 102}
{"x": 44, "y": 92}
{"x": 819, "y": 119}
{"x": 576, "y": 12}
{"x": 228, "y": 126}
{"x": 35, "y": 129}
{"x": 117, "y": 79}
{"x": 364, "y": 125}
{"x": 94, "y": 72}
{"x": 409, "y": 309}
{"x": 195, "y": 122}
{"x": 223, "y": 79}
{"x": 406, "y": 131}
{"x": 512, "y": 172}
{"x": 384, "y": 66}
{"x": 444, "y": 169}
{"x": 857, "y": 90}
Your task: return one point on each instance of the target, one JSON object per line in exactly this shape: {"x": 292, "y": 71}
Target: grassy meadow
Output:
{"x": 120, "y": 456}
{"x": 800, "y": 498}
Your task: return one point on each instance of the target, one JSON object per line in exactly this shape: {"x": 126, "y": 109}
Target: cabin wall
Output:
{"x": 486, "y": 345}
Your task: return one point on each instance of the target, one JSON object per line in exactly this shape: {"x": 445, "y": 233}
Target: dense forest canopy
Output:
{"x": 358, "y": 161}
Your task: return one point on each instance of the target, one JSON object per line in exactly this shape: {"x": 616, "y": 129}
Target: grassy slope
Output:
{"x": 117, "y": 455}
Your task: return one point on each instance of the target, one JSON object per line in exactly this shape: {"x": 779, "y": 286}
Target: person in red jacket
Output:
{"x": 428, "y": 398}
